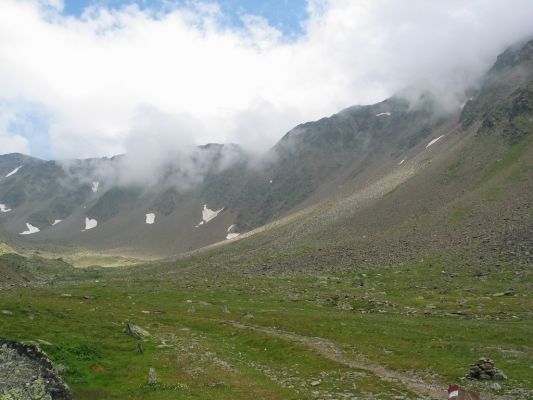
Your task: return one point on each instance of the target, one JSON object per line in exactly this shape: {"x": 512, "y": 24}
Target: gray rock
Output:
{"x": 499, "y": 375}
{"x": 152, "y": 376}
{"x": 27, "y": 373}
{"x": 136, "y": 331}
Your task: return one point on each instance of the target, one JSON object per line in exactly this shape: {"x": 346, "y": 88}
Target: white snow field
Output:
{"x": 57, "y": 221}
{"x": 150, "y": 218}
{"x": 90, "y": 224}
{"x": 384, "y": 114}
{"x": 208, "y": 215}
{"x": 434, "y": 141}
{"x": 31, "y": 229}
{"x": 3, "y": 208}
{"x": 95, "y": 185}
{"x": 14, "y": 171}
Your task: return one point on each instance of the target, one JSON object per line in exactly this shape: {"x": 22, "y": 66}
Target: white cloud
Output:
{"x": 11, "y": 142}
{"x": 97, "y": 75}
{"x": 14, "y": 144}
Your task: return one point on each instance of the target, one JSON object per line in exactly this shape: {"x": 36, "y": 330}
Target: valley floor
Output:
{"x": 403, "y": 330}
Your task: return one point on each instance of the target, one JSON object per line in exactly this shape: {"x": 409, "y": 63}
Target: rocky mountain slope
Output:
{"x": 380, "y": 165}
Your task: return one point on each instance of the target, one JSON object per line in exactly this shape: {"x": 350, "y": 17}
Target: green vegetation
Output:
{"x": 5, "y": 249}
{"x": 239, "y": 335}
{"x": 511, "y": 157}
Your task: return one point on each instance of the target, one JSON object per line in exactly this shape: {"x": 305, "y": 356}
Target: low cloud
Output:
{"x": 154, "y": 83}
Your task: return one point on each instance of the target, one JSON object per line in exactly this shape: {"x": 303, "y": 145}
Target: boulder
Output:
{"x": 27, "y": 373}
{"x": 136, "y": 331}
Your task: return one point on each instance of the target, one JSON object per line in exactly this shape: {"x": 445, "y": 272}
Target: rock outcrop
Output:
{"x": 26, "y": 373}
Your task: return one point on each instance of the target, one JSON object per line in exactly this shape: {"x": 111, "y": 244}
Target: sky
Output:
{"x": 91, "y": 78}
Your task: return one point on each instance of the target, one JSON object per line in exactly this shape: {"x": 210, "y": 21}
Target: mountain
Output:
{"x": 384, "y": 252}
{"x": 375, "y": 157}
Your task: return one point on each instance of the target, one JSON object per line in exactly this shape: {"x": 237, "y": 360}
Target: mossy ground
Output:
{"x": 431, "y": 318}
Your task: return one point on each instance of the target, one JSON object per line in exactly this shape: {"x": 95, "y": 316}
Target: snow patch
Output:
{"x": 95, "y": 186}
{"x": 271, "y": 181}
{"x": 31, "y": 229}
{"x": 388, "y": 114}
{"x": 231, "y": 235}
{"x": 467, "y": 100}
{"x": 208, "y": 215}
{"x": 434, "y": 141}
{"x": 14, "y": 171}
{"x": 150, "y": 218}
{"x": 57, "y": 221}
{"x": 3, "y": 208}
{"x": 401, "y": 162}
{"x": 90, "y": 224}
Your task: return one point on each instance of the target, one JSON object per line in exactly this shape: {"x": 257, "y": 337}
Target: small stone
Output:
{"x": 494, "y": 386}
{"x": 316, "y": 383}
{"x": 499, "y": 375}
{"x": 487, "y": 366}
{"x": 484, "y": 376}
{"x": 6, "y": 312}
{"x": 152, "y": 376}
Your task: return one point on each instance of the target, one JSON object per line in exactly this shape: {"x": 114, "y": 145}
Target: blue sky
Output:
{"x": 286, "y": 15}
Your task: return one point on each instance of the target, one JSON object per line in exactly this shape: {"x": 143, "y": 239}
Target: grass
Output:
{"x": 431, "y": 317}
{"x": 6, "y": 249}
{"x": 510, "y": 158}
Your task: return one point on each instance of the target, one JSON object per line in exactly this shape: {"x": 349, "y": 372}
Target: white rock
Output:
{"x": 95, "y": 186}
{"x": 90, "y": 224}
{"x": 434, "y": 141}
{"x": 150, "y": 218}
{"x": 231, "y": 227}
{"x": 3, "y": 208}
{"x": 57, "y": 221}
{"x": 31, "y": 229}
{"x": 401, "y": 162}
{"x": 14, "y": 171}
{"x": 232, "y": 235}
{"x": 387, "y": 114}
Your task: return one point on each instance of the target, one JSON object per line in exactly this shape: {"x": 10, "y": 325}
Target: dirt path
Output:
{"x": 329, "y": 350}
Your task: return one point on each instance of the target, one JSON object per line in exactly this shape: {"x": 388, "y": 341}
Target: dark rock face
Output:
{"x": 485, "y": 370}
{"x": 27, "y": 373}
